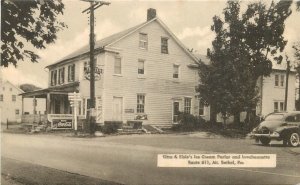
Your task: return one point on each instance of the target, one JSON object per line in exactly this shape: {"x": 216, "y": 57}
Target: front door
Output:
{"x": 175, "y": 111}
{"x": 117, "y": 109}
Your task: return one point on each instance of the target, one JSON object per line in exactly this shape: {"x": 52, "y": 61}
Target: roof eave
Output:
{"x": 97, "y": 51}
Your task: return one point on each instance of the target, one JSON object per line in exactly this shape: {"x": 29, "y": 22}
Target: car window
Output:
{"x": 290, "y": 119}
{"x": 298, "y": 117}
{"x": 274, "y": 117}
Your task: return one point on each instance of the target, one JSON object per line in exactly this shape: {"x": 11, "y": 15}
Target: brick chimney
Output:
{"x": 151, "y": 14}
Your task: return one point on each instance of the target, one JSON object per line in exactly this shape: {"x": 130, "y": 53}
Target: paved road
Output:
{"x": 133, "y": 159}
{"x": 15, "y": 172}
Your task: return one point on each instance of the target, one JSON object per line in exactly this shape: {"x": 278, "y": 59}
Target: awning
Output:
{"x": 61, "y": 89}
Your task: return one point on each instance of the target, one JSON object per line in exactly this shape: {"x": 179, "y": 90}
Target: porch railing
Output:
{"x": 34, "y": 118}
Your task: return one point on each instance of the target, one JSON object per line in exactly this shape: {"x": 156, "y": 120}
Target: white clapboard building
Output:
{"x": 10, "y": 102}
{"x": 142, "y": 73}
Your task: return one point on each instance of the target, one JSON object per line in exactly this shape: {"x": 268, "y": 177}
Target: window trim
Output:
{"x": 71, "y": 72}
{"x": 279, "y": 80}
{"x": 201, "y": 108}
{"x": 145, "y": 42}
{"x": 164, "y": 47}
{"x": 14, "y": 98}
{"x": 187, "y": 106}
{"x": 144, "y": 71}
{"x": 141, "y": 110}
{"x": 279, "y": 107}
{"x": 178, "y": 71}
{"x": 119, "y": 58}
{"x": 282, "y": 79}
{"x": 53, "y": 75}
{"x": 61, "y": 75}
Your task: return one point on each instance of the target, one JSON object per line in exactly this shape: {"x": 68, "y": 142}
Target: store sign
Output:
{"x": 61, "y": 121}
{"x": 129, "y": 110}
{"x": 87, "y": 72}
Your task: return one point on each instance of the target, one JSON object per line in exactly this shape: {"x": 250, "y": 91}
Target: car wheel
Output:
{"x": 265, "y": 140}
{"x": 294, "y": 139}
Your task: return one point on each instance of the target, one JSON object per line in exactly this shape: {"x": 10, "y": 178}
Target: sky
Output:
{"x": 190, "y": 21}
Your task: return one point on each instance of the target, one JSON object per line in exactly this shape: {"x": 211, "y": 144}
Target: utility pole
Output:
{"x": 94, "y": 4}
{"x": 287, "y": 82}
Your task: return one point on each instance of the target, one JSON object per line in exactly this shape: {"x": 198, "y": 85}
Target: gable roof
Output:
{"x": 203, "y": 58}
{"x": 8, "y": 82}
{"x": 117, "y": 37}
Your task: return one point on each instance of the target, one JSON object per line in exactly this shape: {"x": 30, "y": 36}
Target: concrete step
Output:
{"x": 152, "y": 129}
{"x": 130, "y": 131}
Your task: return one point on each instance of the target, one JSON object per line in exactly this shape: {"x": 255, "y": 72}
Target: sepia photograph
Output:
{"x": 177, "y": 92}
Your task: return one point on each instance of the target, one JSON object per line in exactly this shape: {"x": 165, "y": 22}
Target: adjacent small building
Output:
{"x": 10, "y": 102}
{"x": 272, "y": 92}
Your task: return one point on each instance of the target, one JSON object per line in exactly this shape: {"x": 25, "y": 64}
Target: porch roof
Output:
{"x": 61, "y": 89}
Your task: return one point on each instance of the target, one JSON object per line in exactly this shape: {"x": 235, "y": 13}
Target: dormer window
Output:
{"x": 143, "y": 44}
{"x": 164, "y": 45}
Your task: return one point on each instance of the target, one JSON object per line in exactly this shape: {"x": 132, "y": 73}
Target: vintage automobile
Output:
{"x": 280, "y": 126}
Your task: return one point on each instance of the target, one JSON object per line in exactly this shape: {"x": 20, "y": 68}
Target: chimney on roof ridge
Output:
{"x": 151, "y": 14}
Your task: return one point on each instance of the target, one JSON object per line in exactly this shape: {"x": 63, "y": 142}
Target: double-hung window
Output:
{"x": 176, "y": 71}
{"x": 279, "y": 80}
{"x": 164, "y": 45}
{"x": 61, "y": 75}
{"x": 141, "y": 67}
{"x": 71, "y": 73}
{"x": 201, "y": 108}
{"x": 118, "y": 66}
{"x": 53, "y": 77}
{"x": 1, "y": 97}
{"x": 140, "y": 103}
{"x": 282, "y": 80}
{"x": 143, "y": 44}
{"x": 278, "y": 106}
{"x": 14, "y": 97}
{"x": 187, "y": 105}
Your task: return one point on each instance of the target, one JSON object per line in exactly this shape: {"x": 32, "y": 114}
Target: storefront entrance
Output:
{"x": 117, "y": 109}
{"x": 175, "y": 112}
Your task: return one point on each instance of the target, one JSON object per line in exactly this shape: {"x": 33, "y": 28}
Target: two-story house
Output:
{"x": 10, "y": 102}
{"x": 144, "y": 73}
{"x": 272, "y": 92}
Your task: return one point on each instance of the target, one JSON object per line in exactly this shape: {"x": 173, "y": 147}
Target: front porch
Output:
{"x": 59, "y": 113}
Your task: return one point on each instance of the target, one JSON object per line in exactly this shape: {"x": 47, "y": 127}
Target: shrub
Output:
{"x": 111, "y": 127}
{"x": 189, "y": 122}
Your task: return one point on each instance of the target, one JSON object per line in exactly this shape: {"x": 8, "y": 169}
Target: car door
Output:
{"x": 291, "y": 120}
{"x": 298, "y": 119}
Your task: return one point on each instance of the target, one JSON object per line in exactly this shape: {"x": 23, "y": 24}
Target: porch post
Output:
{"x": 34, "y": 109}
{"x": 22, "y": 105}
{"x": 34, "y": 105}
{"x": 48, "y": 109}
